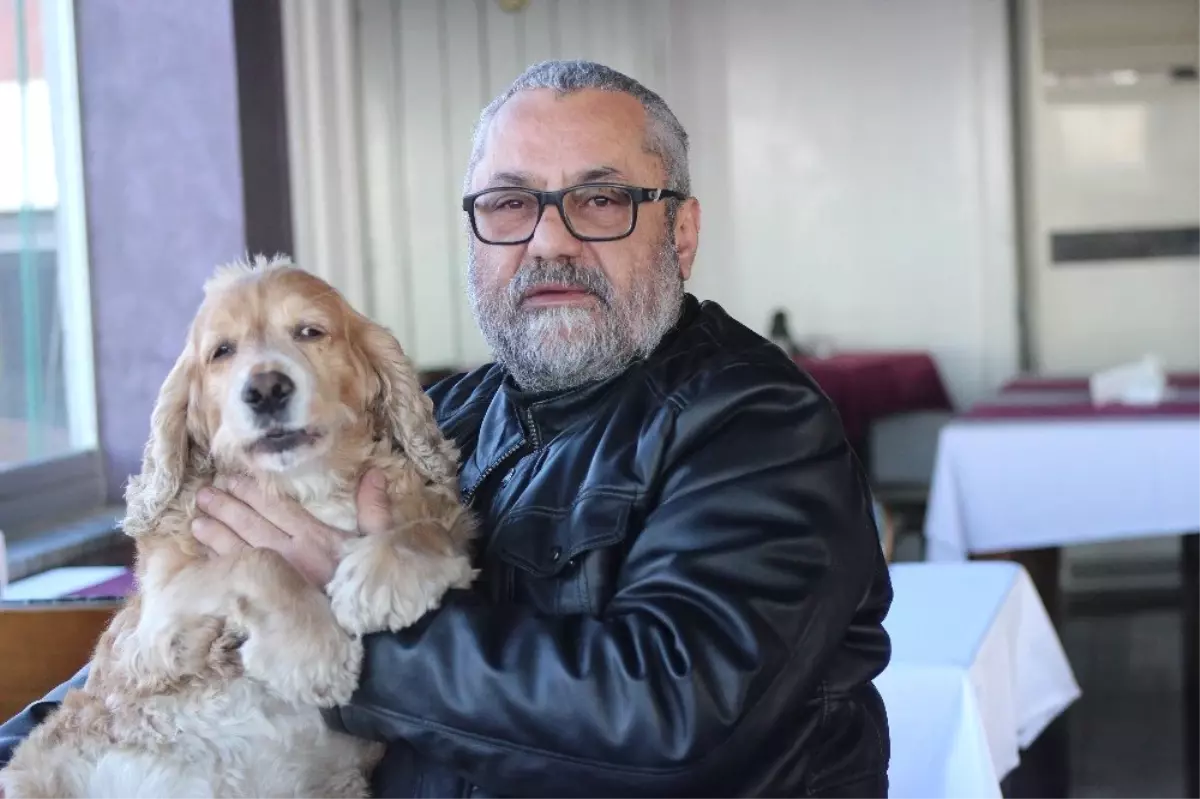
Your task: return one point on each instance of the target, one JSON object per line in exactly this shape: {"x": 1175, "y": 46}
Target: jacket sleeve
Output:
{"x": 18, "y": 728}
{"x": 733, "y": 598}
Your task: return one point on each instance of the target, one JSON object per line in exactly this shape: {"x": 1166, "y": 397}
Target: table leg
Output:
{"x": 1190, "y": 618}
{"x": 1045, "y": 767}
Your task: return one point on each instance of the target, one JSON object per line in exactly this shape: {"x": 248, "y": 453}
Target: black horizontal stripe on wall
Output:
{"x": 1124, "y": 245}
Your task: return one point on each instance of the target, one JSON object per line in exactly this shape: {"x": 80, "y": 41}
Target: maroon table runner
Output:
{"x": 865, "y": 386}
{"x": 1030, "y": 397}
{"x": 1181, "y": 380}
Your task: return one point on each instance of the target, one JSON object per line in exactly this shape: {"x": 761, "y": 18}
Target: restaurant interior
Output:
{"x": 974, "y": 223}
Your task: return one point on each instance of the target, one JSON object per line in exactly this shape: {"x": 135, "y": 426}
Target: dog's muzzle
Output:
{"x": 267, "y": 394}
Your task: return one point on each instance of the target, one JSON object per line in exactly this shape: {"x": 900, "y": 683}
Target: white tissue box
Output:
{"x": 1143, "y": 382}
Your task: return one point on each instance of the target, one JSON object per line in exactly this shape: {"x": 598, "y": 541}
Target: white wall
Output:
{"x": 1119, "y": 158}
{"x": 428, "y": 69}
{"x": 386, "y": 95}
{"x": 851, "y": 158}
{"x": 1104, "y": 155}
{"x": 870, "y": 177}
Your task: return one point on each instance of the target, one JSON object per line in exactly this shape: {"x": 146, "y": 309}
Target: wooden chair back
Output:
{"x": 43, "y": 643}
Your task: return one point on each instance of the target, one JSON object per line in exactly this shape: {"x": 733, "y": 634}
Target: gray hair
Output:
{"x": 665, "y": 137}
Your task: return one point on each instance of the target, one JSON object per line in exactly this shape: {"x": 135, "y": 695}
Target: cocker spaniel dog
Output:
{"x": 210, "y": 680}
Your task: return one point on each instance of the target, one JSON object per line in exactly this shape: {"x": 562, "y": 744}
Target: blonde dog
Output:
{"x": 210, "y": 680}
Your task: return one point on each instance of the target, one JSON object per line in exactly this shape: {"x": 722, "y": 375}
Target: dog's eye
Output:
{"x": 309, "y": 332}
{"x": 222, "y": 350}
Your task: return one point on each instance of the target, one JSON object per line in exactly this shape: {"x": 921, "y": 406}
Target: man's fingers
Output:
{"x": 374, "y": 508}
{"x": 287, "y": 515}
{"x": 216, "y": 536}
{"x": 240, "y": 518}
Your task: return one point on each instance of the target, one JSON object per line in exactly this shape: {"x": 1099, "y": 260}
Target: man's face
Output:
{"x": 557, "y": 311}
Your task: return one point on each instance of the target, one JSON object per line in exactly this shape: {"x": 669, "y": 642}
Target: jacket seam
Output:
{"x": 676, "y": 398}
{"x": 817, "y": 788}
{"x": 475, "y": 398}
{"x": 818, "y": 784}
{"x": 387, "y": 713}
{"x": 557, "y": 511}
{"x": 584, "y": 589}
{"x": 465, "y": 412}
{"x": 655, "y": 389}
{"x": 688, "y": 765}
{"x": 607, "y": 538}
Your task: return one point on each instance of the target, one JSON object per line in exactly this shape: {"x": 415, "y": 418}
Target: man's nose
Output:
{"x": 551, "y": 238}
{"x": 267, "y": 393}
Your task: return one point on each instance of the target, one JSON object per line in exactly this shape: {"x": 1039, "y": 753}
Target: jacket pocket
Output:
{"x": 855, "y": 748}
{"x": 563, "y": 561}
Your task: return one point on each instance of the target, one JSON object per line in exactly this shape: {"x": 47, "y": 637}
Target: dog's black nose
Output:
{"x": 268, "y": 392}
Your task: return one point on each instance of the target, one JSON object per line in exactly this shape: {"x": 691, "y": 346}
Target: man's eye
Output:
{"x": 222, "y": 350}
{"x": 309, "y": 332}
{"x": 507, "y": 202}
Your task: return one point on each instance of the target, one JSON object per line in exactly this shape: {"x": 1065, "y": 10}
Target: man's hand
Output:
{"x": 244, "y": 517}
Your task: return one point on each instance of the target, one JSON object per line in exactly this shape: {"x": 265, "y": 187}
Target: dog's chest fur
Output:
{"x": 237, "y": 740}
{"x": 328, "y": 501}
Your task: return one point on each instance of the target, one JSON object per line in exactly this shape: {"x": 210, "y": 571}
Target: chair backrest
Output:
{"x": 43, "y": 643}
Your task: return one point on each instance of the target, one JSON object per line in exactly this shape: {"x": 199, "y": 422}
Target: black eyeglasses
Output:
{"x": 591, "y": 211}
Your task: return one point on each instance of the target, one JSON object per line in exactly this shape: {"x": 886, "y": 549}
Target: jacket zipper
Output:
{"x": 505, "y": 591}
{"x": 470, "y": 495}
{"x": 508, "y": 588}
{"x": 533, "y": 432}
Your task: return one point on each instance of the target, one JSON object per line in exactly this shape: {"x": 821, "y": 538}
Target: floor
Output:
{"x": 1126, "y": 731}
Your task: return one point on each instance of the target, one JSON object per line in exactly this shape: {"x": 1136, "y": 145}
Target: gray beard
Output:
{"x": 556, "y": 349}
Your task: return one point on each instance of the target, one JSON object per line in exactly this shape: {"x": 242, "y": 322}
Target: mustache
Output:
{"x": 560, "y": 273}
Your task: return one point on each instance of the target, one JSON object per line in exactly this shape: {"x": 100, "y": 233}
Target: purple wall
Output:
{"x": 164, "y": 193}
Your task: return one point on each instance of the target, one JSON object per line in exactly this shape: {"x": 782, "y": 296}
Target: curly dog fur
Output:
{"x": 210, "y": 680}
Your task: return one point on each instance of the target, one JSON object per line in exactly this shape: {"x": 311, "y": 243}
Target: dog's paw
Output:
{"x": 388, "y": 588}
{"x": 204, "y": 646}
{"x": 318, "y": 666}
{"x": 332, "y": 682}
{"x": 225, "y": 656}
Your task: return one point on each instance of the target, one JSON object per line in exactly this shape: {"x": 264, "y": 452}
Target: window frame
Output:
{"x": 39, "y": 493}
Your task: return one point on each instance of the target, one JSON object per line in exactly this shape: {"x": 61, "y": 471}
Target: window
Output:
{"x": 49, "y": 464}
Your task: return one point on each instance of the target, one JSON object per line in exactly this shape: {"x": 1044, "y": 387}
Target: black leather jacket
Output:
{"x": 682, "y": 592}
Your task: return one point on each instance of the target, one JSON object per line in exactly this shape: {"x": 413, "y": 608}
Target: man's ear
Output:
{"x": 687, "y": 235}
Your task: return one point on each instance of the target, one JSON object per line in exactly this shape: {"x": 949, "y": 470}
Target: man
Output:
{"x": 682, "y": 587}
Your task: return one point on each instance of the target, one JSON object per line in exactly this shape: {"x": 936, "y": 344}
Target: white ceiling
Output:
{"x": 1100, "y": 35}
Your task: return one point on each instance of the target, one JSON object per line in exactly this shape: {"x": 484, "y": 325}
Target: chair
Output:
{"x": 43, "y": 643}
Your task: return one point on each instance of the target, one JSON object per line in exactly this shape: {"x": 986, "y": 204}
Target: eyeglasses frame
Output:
{"x": 640, "y": 194}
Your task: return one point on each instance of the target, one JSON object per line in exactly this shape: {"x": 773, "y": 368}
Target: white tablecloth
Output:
{"x": 977, "y": 672}
{"x": 1030, "y": 483}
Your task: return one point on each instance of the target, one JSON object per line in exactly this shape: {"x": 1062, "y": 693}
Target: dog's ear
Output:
{"x": 169, "y": 454}
{"x": 402, "y": 409}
